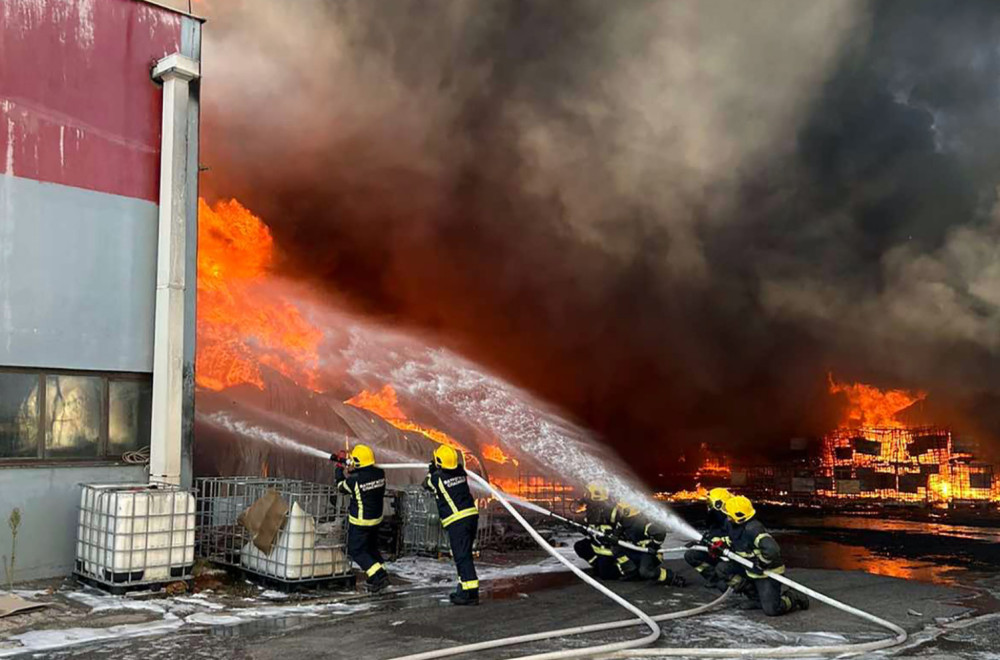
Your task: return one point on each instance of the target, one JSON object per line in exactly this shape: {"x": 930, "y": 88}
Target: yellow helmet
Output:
{"x": 446, "y": 457}
{"x": 362, "y": 456}
{"x": 627, "y": 509}
{"x": 717, "y": 498}
{"x": 739, "y": 509}
{"x": 597, "y": 492}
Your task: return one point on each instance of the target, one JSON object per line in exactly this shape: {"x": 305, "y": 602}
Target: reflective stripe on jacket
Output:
{"x": 366, "y": 486}
{"x": 451, "y": 491}
{"x": 752, "y": 540}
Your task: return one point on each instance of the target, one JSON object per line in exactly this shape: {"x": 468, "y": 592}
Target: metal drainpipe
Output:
{"x": 175, "y": 72}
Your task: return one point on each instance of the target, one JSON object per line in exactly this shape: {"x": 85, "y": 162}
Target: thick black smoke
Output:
{"x": 671, "y": 218}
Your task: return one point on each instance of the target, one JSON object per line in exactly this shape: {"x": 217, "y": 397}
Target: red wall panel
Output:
{"x": 77, "y": 106}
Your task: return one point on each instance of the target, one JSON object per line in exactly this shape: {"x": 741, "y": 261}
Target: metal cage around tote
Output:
{"x": 309, "y": 546}
{"x": 134, "y": 535}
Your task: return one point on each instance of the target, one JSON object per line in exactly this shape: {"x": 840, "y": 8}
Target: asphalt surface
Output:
{"x": 944, "y": 621}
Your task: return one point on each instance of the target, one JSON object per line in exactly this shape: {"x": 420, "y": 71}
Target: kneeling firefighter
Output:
{"x": 365, "y": 484}
{"x": 596, "y": 549}
{"x": 714, "y": 538}
{"x": 749, "y": 539}
{"x": 446, "y": 478}
{"x": 646, "y": 564}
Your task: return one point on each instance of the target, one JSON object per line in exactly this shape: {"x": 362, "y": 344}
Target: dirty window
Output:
{"x": 73, "y": 407}
{"x": 18, "y": 415}
{"x": 129, "y": 402}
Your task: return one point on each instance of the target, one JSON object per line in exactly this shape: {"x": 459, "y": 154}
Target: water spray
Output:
{"x": 630, "y": 648}
{"x": 627, "y": 649}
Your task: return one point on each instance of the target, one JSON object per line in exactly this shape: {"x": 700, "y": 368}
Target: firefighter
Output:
{"x": 446, "y": 478}
{"x": 705, "y": 561}
{"x": 596, "y": 550}
{"x": 631, "y": 526}
{"x": 749, "y": 539}
{"x": 365, "y": 484}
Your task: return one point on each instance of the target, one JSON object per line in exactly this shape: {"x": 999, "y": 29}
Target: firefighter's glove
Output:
{"x": 715, "y": 549}
{"x": 760, "y": 567}
{"x": 678, "y": 581}
{"x": 341, "y": 458}
{"x": 611, "y": 538}
{"x": 432, "y": 466}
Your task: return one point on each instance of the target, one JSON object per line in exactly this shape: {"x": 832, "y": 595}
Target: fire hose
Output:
{"x": 630, "y": 648}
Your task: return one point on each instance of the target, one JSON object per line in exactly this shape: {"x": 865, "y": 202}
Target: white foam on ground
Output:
{"x": 46, "y": 640}
{"x": 101, "y": 602}
{"x": 428, "y": 570}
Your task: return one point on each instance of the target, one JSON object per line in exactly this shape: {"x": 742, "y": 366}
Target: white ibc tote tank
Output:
{"x": 135, "y": 533}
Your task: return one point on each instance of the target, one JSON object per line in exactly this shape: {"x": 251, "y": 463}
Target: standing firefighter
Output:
{"x": 705, "y": 561}
{"x": 646, "y": 564}
{"x": 596, "y": 550}
{"x": 446, "y": 478}
{"x": 365, "y": 484}
{"x": 749, "y": 539}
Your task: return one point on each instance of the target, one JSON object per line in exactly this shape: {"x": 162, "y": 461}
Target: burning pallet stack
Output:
{"x": 922, "y": 464}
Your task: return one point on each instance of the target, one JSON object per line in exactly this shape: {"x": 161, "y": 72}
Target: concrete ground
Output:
{"x": 944, "y": 622}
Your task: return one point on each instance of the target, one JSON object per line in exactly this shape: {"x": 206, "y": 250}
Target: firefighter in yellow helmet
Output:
{"x": 357, "y": 476}
{"x": 446, "y": 478}
{"x": 638, "y": 530}
{"x": 714, "y": 539}
{"x": 597, "y": 549}
{"x": 749, "y": 539}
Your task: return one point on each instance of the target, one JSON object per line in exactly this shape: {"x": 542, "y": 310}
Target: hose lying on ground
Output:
{"x": 654, "y": 630}
{"x": 603, "y": 651}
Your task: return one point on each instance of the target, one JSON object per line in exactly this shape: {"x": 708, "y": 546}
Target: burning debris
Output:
{"x": 875, "y": 455}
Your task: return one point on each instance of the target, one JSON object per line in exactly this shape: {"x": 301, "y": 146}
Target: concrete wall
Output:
{"x": 80, "y": 122}
{"x": 48, "y": 498}
{"x": 77, "y": 278}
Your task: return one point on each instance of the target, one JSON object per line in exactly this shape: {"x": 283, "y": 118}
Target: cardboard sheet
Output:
{"x": 264, "y": 518}
{"x": 11, "y": 604}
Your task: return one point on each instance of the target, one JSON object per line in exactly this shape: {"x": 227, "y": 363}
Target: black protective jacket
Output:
{"x": 451, "y": 490}
{"x": 598, "y": 516}
{"x": 751, "y": 540}
{"x": 366, "y": 486}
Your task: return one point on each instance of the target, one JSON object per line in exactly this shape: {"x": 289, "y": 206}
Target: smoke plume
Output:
{"x": 672, "y": 219}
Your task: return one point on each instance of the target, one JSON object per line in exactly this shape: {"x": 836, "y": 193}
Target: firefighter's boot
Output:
{"x": 377, "y": 582}
{"x": 464, "y": 597}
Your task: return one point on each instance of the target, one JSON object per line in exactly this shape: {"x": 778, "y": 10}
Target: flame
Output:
{"x": 242, "y": 323}
{"x": 700, "y": 493}
{"x": 385, "y": 404}
{"x": 495, "y": 454}
{"x": 870, "y": 406}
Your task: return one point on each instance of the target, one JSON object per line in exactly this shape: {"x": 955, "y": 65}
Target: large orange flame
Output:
{"x": 242, "y": 323}
{"x": 385, "y": 404}
{"x": 870, "y": 406}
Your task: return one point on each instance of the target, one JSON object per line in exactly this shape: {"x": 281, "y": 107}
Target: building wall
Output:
{"x": 80, "y": 122}
{"x": 48, "y": 498}
{"x": 79, "y": 114}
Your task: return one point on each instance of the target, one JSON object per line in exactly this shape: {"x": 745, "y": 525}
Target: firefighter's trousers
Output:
{"x": 599, "y": 557}
{"x": 461, "y": 536}
{"x": 362, "y": 547}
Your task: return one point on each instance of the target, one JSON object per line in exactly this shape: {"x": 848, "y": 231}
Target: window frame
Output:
{"x": 103, "y": 458}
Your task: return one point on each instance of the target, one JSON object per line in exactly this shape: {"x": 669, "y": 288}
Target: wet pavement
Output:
{"x": 418, "y": 621}
{"x": 939, "y": 581}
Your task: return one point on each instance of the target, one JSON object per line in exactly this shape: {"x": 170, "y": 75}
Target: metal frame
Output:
{"x": 420, "y": 530}
{"x": 310, "y": 548}
{"x": 132, "y": 536}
